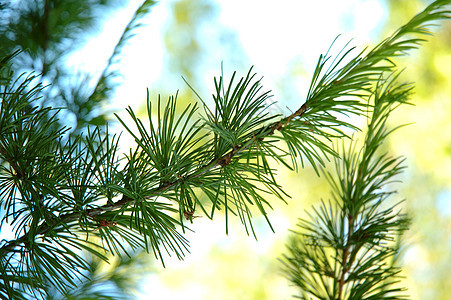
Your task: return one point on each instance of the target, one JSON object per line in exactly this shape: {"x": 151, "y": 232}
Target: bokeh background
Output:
{"x": 282, "y": 40}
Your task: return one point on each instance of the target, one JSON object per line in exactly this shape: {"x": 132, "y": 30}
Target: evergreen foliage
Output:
{"x": 36, "y": 38}
{"x": 347, "y": 246}
{"x": 63, "y": 193}
{"x": 45, "y": 31}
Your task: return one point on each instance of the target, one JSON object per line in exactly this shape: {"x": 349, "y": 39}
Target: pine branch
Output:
{"x": 325, "y": 90}
{"x": 343, "y": 249}
{"x": 61, "y": 194}
{"x": 357, "y": 73}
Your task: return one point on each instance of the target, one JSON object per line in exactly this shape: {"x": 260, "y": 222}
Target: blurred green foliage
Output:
{"x": 426, "y": 142}
{"x": 47, "y": 32}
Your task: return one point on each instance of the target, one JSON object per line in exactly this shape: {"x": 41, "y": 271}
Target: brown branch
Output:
{"x": 265, "y": 132}
{"x": 219, "y": 162}
{"x": 345, "y": 263}
{"x": 351, "y": 224}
